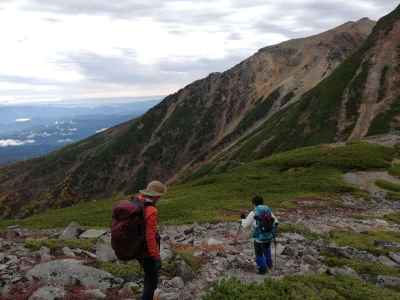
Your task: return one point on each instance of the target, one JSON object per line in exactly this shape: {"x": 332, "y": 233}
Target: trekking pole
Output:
{"x": 276, "y": 261}
{"x": 237, "y": 233}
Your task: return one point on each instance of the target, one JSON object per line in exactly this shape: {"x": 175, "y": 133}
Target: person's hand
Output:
{"x": 243, "y": 216}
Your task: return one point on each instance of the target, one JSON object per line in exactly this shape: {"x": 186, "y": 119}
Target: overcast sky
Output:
{"x": 63, "y": 49}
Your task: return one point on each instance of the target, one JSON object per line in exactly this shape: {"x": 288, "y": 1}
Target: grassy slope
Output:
{"x": 312, "y": 172}
{"x": 314, "y": 287}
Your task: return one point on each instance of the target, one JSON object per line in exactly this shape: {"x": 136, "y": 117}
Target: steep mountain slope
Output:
{"x": 361, "y": 98}
{"x": 209, "y": 114}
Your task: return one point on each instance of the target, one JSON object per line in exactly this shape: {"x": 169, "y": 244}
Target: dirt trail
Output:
{"x": 366, "y": 180}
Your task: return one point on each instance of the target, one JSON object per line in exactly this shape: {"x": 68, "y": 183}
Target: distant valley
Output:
{"x": 28, "y": 131}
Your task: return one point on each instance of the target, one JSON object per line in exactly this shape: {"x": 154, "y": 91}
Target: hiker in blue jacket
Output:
{"x": 264, "y": 225}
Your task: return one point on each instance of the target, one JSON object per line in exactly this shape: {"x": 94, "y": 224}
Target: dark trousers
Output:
{"x": 151, "y": 274}
{"x": 263, "y": 255}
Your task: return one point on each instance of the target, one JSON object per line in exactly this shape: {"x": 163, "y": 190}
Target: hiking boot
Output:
{"x": 262, "y": 271}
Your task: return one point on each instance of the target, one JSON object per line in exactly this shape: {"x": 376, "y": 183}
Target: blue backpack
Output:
{"x": 265, "y": 224}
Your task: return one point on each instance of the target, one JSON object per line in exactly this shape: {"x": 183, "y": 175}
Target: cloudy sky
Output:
{"x": 64, "y": 49}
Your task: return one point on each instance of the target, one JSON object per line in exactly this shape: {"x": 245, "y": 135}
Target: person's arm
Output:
{"x": 151, "y": 233}
{"x": 275, "y": 218}
{"x": 246, "y": 223}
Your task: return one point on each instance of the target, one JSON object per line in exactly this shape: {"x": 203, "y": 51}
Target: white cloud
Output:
{"x": 65, "y": 141}
{"x": 53, "y": 49}
{"x": 14, "y": 143}
{"x": 23, "y": 120}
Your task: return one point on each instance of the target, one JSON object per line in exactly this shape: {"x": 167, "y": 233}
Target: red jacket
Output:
{"x": 152, "y": 236}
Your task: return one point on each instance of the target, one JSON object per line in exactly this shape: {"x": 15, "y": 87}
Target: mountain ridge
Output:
{"x": 180, "y": 131}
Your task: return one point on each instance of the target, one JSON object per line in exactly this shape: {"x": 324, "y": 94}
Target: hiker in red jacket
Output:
{"x": 152, "y": 261}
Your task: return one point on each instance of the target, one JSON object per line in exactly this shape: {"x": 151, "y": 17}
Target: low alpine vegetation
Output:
{"x": 58, "y": 244}
{"x": 315, "y": 287}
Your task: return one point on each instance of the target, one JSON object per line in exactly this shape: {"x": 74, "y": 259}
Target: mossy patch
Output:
{"x": 395, "y": 170}
{"x": 393, "y": 218}
{"x": 366, "y": 240}
{"x": 131, "y": 269}
{"x": 315, "y": 287}
{"x": 387, "y": 185}
{"x": 362, "y": 267}
{"x": 300, "y": 229}
{"x": 58, "y": 244}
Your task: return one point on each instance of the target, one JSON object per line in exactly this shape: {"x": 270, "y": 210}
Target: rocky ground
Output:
{"x": 78, "y": 263}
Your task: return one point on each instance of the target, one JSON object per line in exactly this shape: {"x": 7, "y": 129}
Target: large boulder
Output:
{"x": 184, "y": 271}
{"x": 93, "y": 234}
{"x": 48, "y": 293}
{"x": 345, "y": 271}
{"x": 387, "y": 261}
{"x": 388, "y": 281}
{"x": 104, "y": 251}
{"x": 72, "y": 272}
{"x": 72, "y": 231}
{"x": 395, "y": 257}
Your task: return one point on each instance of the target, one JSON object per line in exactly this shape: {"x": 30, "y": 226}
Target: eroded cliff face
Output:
{"x": 188, "y": 127}
{"x": 379, "y": 105}
{"x": 360, "y": 98}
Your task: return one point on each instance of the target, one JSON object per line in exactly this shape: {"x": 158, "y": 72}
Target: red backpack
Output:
{"x": 128, "y": 230}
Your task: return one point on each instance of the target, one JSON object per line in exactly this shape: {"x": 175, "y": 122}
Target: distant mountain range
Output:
{"x": 340, "y": 85}
{"x": 32, "y": 130}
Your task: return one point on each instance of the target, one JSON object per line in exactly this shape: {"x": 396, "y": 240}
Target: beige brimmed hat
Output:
{"x": 154, "y": 189}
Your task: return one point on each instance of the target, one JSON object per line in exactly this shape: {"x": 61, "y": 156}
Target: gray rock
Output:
{"x": 345, "y": 271}
{"x": 184, "y": 271}
{"x": 168, "y": 296}
{"x": 44, "y": 254}
{"x": 5, "y": 290}
{"x": 388, "y": 281}
{"x": 12, "y": 227}
{"x": 180, "y": 238}
{"x": 214, "y": 242}
{"x": 90, "y": 254}
{"x": 176, "y": 283}
{"x": 387, "y": 244}
{"x": 294, "y": 236}
{"x": 395, "y": 257}
{"x": 189, "y": 230}
{"x": 72, "y": 272}
{"x": 68, "y": 252}
{"x": 105, "y": 252}
{"x": 72, "y": 231}
{"x": 311, "y": 260}
{"x": 48, "y": 293}
{"x": 311, "y": 251}
{"x": 165, "y": 253}
{"x": 290, "y": 251}
{"x": 93, "y": 234}
{"x": 387, "y": 261}
{"x": 95, "y": 294}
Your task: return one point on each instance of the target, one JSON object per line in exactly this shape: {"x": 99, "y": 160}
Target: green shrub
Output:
{"x": 366, "y": 240}
{"x": 393, "y": 217}
{"x": 355, "y": 156}
{"x": 387, "y": 185}
{"x": 58, "y": 244}
{"x": 120, "y": 269}
{"x": 362, "y": 267}
{"x": 315, "y": 287}
{"x": 395, "y": 170}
